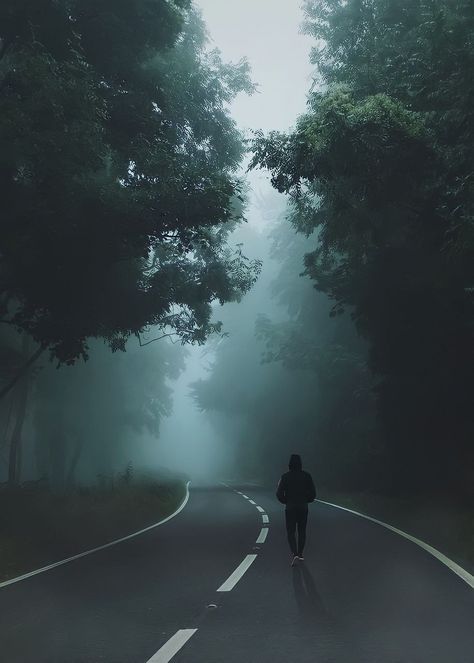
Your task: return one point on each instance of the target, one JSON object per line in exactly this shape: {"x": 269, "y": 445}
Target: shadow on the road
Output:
{"x": 309, "y": 601}
{"x": 333, "y": 643}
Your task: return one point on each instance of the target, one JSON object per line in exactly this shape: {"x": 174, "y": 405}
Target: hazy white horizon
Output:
{"x": 267, "y": 33}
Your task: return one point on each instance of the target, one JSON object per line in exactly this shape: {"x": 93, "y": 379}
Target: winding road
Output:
{"x": 214, "y": 585}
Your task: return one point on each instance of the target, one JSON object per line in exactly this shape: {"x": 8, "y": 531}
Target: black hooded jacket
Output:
{"x": 296, "y": 487}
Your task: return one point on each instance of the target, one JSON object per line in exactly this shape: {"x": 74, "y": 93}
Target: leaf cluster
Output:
{"x": 117, "y": 172}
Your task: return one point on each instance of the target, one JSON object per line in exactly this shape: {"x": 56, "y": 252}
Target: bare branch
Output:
{"x": 158, "y": 338}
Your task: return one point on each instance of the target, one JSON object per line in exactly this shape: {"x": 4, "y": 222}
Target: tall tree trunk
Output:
{"x": 57, "y": 452}
{"x": 79, "y": 443}
{"x": 15, "y": 459}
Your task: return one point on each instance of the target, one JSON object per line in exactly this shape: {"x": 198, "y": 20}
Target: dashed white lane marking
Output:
{"x": 458, "y": 570}
{"x": 173, "y": 646}
{"x": 234, "y": 577}
{"x": 93, "y": 550}
{"x": 265, "y": 518}
{"x": 263, "y": 535}
{"x": 252, "y": 502}
{"x": 259, "y": 508}
{"x": 247, "y": 498}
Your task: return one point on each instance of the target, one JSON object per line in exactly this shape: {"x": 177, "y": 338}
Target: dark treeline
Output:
{"x": 379, "y": 169}
{"x": 118, "y": 192}
{"x": 120, "y": 195}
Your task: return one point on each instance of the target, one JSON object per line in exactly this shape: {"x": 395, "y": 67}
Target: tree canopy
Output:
{"x": 117, "y": 172}
{"x": 380, "y": 167}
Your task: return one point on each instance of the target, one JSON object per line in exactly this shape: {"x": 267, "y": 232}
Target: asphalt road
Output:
{"x": 363, "y": 595}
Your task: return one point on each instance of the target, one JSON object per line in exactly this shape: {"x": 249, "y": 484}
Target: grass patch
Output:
{"x": 38, "y": 527}
{"x": 445, "y": 525}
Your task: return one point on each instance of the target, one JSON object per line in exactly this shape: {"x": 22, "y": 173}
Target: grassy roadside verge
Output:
{"x": 38, "y": 527}
{"x": 446, "y": 526}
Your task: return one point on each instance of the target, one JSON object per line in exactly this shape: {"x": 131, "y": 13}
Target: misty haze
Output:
{"x": 237, "y": 348}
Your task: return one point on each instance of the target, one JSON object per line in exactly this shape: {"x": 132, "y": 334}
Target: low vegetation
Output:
{"x": 39, "y": 527}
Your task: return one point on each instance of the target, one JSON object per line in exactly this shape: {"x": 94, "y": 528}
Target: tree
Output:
{"x": 15, "y": 367}
{"x": 117, "y": 170}
{"x": 381, "y": 167}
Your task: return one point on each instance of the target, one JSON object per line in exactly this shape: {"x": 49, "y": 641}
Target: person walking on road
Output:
{"x": 295, "y": 490}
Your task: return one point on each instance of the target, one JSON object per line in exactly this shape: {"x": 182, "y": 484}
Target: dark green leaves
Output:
{"x": 381, "y": 167}
{"x": 117, "y": 171}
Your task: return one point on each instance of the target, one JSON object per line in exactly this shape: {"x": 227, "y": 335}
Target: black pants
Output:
{"x": 296, "y": 518}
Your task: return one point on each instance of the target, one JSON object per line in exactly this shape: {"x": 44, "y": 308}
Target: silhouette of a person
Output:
{"x": 295, "y": 490}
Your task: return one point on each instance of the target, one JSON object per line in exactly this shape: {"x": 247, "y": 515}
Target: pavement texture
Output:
{"x": 363, "y": 595}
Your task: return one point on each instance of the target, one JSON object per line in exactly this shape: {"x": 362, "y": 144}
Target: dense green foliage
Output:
{"x": 381, "y": 168}
{"x": 117, "y": 172}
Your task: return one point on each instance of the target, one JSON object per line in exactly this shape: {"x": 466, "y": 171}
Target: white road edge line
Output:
{"x": 259, "y": 508}
{"x": 93, "y": 550}
{"x": 265, "y": 519}
{"x": 458, "y": 570}
{"x": 263, "y": 535}
{"x": 172, "y": 647}
{"x": 234, "y": 577}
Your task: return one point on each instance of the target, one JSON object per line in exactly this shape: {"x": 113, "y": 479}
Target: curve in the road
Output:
{"x": 364, "y": 595}
{"x": 382, "y": 600}
{"x": 181, "y": 637}
{"x": 170, "y": 648}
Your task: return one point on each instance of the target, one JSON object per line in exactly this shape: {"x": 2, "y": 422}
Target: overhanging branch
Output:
{"x": 158, "y": 338}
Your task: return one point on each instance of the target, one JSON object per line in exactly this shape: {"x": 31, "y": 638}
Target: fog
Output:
{"x": 235, "y": 232}
{"x": 268, "y": 34}
{"x": 344, "y": 296}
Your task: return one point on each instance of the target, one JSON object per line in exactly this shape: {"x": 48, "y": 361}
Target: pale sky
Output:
{"x": 267, "y": 32}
